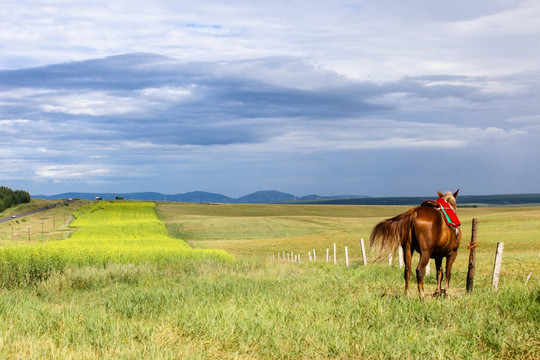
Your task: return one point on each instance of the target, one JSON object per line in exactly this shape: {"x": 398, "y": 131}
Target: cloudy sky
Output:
{"x": 382, "y": 98}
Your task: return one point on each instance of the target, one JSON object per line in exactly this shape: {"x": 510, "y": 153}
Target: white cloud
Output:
{"x": 73, "y": 171}
{"x": 369, "y": 41}
{"x": 92, "y": 103}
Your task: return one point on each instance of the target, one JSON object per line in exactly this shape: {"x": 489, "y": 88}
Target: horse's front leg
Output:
{"x": 421, "y": 271}
{"x": 449, "y": 261}
{"x": 438, "y": 266}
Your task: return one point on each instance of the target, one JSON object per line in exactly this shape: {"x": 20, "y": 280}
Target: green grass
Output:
{"x": 210, "y": 309}
{"x": 256, "y": 308}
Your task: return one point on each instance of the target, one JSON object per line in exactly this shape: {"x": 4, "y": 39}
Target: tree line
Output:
{"x": 9, "y": 197}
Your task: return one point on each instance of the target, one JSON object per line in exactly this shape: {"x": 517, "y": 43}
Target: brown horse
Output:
{"x": 424, "y": 230}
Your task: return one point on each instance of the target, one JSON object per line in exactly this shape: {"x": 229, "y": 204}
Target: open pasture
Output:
{"x": 257, "y": 308}
{"x": 262, "y": 230}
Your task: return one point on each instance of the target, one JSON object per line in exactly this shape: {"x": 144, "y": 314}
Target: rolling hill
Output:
{"x": 259, "y": 197}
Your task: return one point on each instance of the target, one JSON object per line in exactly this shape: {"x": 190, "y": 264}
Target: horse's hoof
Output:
{"x": 436, "y": 294}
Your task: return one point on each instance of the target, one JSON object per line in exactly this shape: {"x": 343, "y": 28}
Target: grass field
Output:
{"x": 262, "y": 230}
{"x": 257, "y": 308}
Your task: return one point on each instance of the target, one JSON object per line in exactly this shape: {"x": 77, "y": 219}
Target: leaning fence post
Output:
{"x": 528, "y": 277}
{"x": 363, "y": 251}
{"x": 497, "y": 266}
{"x": 472, "y": 255}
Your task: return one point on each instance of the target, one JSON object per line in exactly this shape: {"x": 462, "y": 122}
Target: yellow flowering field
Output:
{"x": 108, "y": 232}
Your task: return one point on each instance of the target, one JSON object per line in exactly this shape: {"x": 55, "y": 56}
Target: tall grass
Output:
{"x": 211, "y": 309}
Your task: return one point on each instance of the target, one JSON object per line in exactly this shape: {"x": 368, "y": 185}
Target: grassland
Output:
{"x": 262, "y": 230}
{"x": 257, "y": 308}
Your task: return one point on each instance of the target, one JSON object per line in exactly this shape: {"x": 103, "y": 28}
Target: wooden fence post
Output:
{"x": 390, "y": 259}
{"x": 335, "y": 255}
{"x": 346, "y": 256}
{"x": 472, "y": 255}
{"x": 497, "y": 266}
{"x": 400, "y": 254}
{"x": 327, "y": 254}
{"x": 363, "y": 251}
{"x": 309, "y": 254}
{"x": 314, "y": 255}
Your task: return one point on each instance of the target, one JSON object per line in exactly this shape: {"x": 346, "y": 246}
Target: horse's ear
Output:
{"x": 440, "y": 193}
{"x": 455, "y": 194}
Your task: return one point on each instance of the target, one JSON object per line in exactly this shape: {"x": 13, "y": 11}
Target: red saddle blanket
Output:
{"x": 448, "y": 212}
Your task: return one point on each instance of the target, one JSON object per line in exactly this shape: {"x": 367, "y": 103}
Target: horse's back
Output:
{"x": 430, "y": 233}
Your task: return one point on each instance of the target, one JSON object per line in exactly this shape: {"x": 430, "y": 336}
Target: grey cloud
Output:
{"x": 143, "y": 113}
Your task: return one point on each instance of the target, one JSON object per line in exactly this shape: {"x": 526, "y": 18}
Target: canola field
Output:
{"x": 108, "y": 232}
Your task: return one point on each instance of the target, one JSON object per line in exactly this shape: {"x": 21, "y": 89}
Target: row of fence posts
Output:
{"x": 312, "y": 255}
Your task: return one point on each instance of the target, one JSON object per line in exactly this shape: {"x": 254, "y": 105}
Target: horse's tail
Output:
{"x": 389, "y": 234}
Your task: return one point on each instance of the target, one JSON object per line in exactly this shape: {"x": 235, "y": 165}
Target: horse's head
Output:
{"x": 450, "y": 198}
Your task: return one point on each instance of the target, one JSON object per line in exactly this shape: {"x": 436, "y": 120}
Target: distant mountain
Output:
{"x": 259, "y": 197}
{"x": 262, "y": 197}
{"x": 267, "y": 197}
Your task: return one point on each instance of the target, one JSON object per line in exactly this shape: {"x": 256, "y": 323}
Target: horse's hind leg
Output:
{"x": 438, "y": 265}
{"x": 421, "y": 271}
{"x": 407, "y": 259}
{"x": 449, "y": 261}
